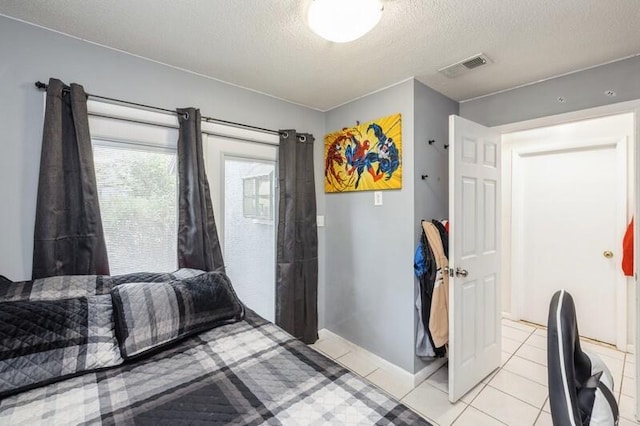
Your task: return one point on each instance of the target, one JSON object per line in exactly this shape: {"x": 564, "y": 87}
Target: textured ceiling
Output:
{"x": 266, "y": 45}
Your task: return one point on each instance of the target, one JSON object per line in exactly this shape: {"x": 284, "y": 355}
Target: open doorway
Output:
{"x": 568, "y": 197}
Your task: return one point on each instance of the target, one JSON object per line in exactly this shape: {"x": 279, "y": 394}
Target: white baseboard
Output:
{"x": 428, "y": 370}
{"x": 416, "y": 379}
{"x": 507, "y": 315}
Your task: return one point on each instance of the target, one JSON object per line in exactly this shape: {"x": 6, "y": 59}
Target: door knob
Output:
{"x": 461, "y": 272}
{"x": 608, "y": 254}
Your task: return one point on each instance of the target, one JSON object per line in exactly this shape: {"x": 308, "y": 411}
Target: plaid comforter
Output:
{"x": 250, "y": 372}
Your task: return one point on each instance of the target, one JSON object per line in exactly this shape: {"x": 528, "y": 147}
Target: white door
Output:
{"x": 474, "y": 254}
{"x": 243, "y": 180}
{"x": 569, "y": 192}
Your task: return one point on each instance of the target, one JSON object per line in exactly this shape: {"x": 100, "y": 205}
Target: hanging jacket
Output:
{"x": 627, "y": 251}
{"x": 439, "y": 315}
{"x": 424, "y": 345}
{"x": 425, "y": 270}
{"x": 444, "y": 236}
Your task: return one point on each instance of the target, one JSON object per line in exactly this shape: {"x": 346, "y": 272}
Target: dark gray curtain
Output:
{"x": 68, "y": 237}
{"x": 297, "y": 258}
{"x": 198, "y": 244}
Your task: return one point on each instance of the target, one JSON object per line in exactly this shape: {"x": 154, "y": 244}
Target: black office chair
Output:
{"x": 580, "y": 384}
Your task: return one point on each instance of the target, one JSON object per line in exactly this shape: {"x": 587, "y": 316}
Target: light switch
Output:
{"x": 320, "y": 221}
{"x": 377, "y": 198}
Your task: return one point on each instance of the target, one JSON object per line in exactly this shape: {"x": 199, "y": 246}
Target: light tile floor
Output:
{"x": 516, "y": 394}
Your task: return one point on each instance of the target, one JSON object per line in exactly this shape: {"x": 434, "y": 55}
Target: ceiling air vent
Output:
{"x": 465, "y": 65}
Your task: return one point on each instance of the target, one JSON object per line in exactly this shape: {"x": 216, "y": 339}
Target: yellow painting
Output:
{"x": 367, "y": 157}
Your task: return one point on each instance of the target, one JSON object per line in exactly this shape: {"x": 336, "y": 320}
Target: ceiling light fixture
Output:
{"x": 341, "y": 21}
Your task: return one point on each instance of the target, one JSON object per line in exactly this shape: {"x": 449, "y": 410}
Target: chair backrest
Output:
{"x": 568, "y": 366}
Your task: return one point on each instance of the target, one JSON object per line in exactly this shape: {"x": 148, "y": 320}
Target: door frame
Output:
{"x": 517, "y": 241}
{"x": 632, "y": 107}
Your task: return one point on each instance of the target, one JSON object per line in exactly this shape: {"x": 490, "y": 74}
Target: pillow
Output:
{"x": 149, "y": 316}
{"x": 46, "y": 341}
{"x": 70, "y": 286}
{"x": 597, "y": 404}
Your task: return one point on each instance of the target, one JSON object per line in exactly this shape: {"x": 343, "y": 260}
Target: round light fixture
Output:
{"x": 341, "y": 21}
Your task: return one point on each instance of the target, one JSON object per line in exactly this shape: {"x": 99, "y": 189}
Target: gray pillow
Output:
{"x": 46, "y": 341}
{"x": 150, "y": 316}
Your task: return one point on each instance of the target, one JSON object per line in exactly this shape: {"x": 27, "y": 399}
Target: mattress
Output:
{"x": 247, "y": 373}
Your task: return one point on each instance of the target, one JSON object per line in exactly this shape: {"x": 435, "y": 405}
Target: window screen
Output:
{"x": 137, "y": 189}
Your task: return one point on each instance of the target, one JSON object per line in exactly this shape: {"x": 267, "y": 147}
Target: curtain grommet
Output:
{"x": 303, "y": 138}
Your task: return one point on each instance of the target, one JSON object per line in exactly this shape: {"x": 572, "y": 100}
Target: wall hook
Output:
{"x": 423, "y": 177}
{"x": 432, "y": 141}
{"x": 446, "y": 146}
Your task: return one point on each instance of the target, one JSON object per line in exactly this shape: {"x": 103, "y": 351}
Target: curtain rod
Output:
{"x": 43, "y": 86}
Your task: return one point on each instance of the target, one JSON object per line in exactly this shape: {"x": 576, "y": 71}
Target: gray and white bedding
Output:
{"x": 71, "y": 286}
{"x": 246, "y": 372}
{"x": 44, "y": 341}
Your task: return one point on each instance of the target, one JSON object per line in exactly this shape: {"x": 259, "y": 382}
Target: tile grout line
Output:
{"x": 379, "y": 387}
{"x": 370, "y": 382}
{"x": 384, "y": 390}
{"x": 499, "y": 390}
{"x": 624, "y": 367}
{"x": 538, "y": 416}
{"x": 461, "y": 412}
{"x": 515, "y": 397}
{"x": 530, "y": 360}
{"x": 525, "y": 377}
{"x": 519, "y": 329}
{"x": 372, "y": 372}
{"x": 515, "y": 354}
{"x": 476, "y": 408}
{"x": 520, "y": 345}
{"x": 487, "y": 414}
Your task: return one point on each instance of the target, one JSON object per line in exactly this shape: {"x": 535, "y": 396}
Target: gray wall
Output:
{"x": 30, "y": 53}
{"x": 369, "y": 249}
{"x": 369, "y": 291}
{"x": 431, "y": 196}
{"x": 370, "y": 284}
{"x": 581, "y": 90}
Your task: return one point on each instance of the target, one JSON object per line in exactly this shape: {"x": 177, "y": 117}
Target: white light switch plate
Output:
{"x": 377, "y": 198}
{"x": 320, "y": 221}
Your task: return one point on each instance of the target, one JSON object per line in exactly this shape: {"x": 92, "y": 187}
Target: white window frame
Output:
{"x": 104, "y": 116}
{"x": 122, "y": 127}
{"x": 255, "y": 179}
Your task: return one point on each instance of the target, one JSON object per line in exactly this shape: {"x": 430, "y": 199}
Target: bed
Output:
{"x": 244, "y": 371}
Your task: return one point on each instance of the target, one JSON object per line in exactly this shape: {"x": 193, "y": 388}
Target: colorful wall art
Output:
{"x": 367, "y": 157}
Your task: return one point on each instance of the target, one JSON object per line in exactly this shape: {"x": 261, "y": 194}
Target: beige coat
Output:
{"x": 439, "y": 319}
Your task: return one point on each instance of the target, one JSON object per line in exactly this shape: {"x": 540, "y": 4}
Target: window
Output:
{"x": 257, "y": 197}
{"x": 137, "y": 183}
{"x": 137, "y": 189}
{"x": 249, "y": 244}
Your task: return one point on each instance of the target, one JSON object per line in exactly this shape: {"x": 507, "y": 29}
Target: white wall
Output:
{"x": 581, "y": 90}
{"x": 620, "y": 126}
